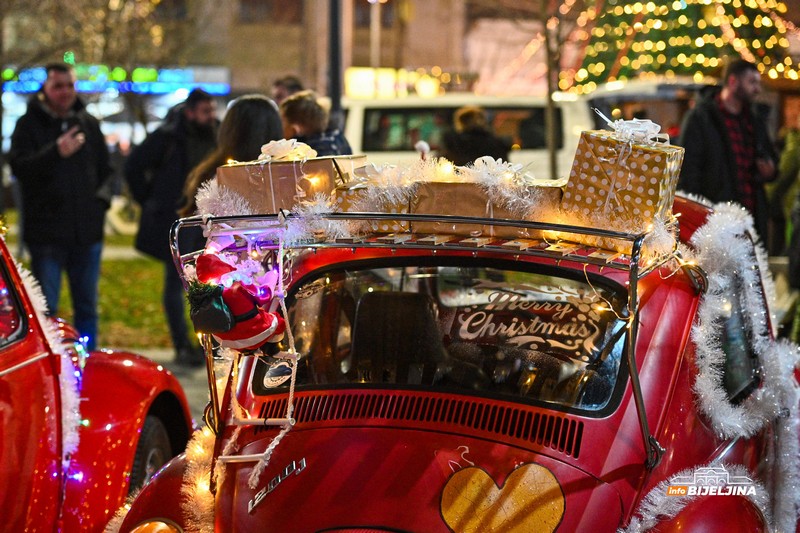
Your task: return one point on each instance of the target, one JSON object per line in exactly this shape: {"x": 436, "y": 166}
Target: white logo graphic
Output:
{"x": 711, "y": 481}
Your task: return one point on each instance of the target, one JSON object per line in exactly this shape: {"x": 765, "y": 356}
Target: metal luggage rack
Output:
{"x": 260, "y": 231}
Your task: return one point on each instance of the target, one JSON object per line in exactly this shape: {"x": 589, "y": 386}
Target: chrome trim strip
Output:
{"x": 241, "y": 458}
{"x": 263, "y": 421}
{"x": 34, "y": 359}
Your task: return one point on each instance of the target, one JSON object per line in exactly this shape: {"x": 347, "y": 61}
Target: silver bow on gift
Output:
{"x": 629, "y": 132}
{"x": 637, "y": 130}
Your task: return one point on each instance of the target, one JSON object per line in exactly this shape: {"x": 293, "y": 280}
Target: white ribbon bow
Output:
{"x": 286, "y": 150}
{"x": 636, "y": 130}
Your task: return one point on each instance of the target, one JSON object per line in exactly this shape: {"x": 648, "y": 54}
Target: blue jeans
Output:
{"x": 173, "y": 299}
{"x": 82, "y": 264}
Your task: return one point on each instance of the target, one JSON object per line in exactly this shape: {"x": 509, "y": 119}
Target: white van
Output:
{"x": 664, "y": 101}
{"x": 387, "y": 129}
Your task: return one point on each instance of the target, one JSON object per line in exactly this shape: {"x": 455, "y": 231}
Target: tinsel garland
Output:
{"x": 197, "y": 502}
{"x": 230, "y": 369}
{"x": 215, "y": 200}
{"x": 310, "y": 225}
{"x": 68, "y": 381}
{"x": 504, "y": 183}
{"x": 658, "y": 506}
{"x": 724, "y": 250}
{"x": 787, "y": 449}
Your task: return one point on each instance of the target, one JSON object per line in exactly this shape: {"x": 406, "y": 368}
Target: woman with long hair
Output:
{"x": 251, "y": 121}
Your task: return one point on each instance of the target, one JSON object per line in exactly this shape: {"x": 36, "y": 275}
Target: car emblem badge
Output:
{"x": 295, "y": 467}
{"x": 277, "y": 374}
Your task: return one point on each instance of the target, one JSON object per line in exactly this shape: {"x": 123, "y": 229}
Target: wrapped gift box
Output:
{"x": 620, "y": 185}
{"x": 473, "y": 199}
{"x": 621, "y": 181}
{"x": 277, "y": 185}
{"x": 363, "y": 196}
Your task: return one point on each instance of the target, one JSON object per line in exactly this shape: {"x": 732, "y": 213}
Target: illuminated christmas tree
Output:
{"x": 681, "y": 38}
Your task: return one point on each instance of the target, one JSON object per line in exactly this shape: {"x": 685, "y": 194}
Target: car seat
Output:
{"x": 396, "y": 339}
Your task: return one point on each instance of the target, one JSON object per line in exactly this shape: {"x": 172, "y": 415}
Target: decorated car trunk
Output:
{"x": 412, "y": 361}
{"x": 78, "y": 430}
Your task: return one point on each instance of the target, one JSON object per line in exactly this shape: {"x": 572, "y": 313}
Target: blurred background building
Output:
{"x": 136, "y": 58}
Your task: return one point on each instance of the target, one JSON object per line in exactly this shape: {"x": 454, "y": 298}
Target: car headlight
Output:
{"x": 157, "y": 526}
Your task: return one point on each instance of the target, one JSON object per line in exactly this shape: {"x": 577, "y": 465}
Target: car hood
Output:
{"x": 376, "y": 479}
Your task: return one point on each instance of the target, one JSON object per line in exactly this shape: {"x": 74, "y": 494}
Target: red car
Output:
{"x": 79, "y": 430}
{"x": 442, "y": 382}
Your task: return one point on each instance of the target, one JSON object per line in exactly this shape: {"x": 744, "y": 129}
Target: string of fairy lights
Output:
{"x": 679, "y": 38}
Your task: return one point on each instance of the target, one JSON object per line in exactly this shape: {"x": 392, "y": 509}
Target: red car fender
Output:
{"x": 716, "y": 513}
{"x": 118, "y": 391}
{"x": 160, "y": 499}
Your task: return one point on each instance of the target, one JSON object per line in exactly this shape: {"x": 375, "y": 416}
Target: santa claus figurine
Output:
{"x": 252, "y": 325}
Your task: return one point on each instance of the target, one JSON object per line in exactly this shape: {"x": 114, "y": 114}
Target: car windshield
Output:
{"x": 526, "y": 336}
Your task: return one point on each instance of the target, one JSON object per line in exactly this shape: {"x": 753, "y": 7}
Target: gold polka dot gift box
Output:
{"x": 621, "y": 184}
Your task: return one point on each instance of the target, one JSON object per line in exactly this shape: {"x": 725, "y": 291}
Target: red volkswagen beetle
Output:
{"x": 79, "y": 430}
{"x": 435, "y": 382}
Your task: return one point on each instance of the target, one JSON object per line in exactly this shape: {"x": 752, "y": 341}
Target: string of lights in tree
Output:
{"x": 681, "y": 38}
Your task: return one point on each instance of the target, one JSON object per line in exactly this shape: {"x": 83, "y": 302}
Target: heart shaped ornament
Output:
{"x": 531, "y": 499}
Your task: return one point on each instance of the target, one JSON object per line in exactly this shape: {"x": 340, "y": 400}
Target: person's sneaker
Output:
{"x": 190, "y": 356}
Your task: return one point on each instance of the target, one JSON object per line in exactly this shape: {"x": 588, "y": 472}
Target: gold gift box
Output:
{"x": 362, "y": 196}
{"x": 269, "y": 187}
{"x": 472, "y": 199}
{"x": 621, "y": 181}
{"x": 620, "y": 186}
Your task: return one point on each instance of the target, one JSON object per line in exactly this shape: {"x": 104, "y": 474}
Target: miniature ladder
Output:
{"x": 286, "y": 423}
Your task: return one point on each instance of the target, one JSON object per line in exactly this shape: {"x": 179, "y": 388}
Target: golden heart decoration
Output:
{"x": 530, "y": 500}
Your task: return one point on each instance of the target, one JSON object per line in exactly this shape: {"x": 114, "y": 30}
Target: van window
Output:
{"x": 392, "y": 129}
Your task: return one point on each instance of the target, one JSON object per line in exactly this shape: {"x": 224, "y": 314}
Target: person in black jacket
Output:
{"x": 729, "y": 155}
{"x": 59, "y": 156}
{"x": 156, "y": 171}
{"x": 472, "y": 138}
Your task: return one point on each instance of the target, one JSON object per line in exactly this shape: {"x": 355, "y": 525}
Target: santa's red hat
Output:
{"x": 210, "y": 268}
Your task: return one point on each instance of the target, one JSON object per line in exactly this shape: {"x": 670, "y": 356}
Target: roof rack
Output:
{"x": 569, "y": 243}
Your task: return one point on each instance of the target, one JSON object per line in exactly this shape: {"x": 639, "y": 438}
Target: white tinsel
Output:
{"x": 309, "y": 223}
{"x": 197, "y": 501}
{"x": 658, "y": 506}
{"x": 724, "y": 251}
{"x": 507, "y": 187}
{"x": 70, "y": 393}
{"x": 787, "y": 452}
{"x": 215, "y": 200}
{"x": 115, "y": 524}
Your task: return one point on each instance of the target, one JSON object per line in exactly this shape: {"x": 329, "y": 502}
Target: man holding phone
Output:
{"x": 60, "y": 158}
